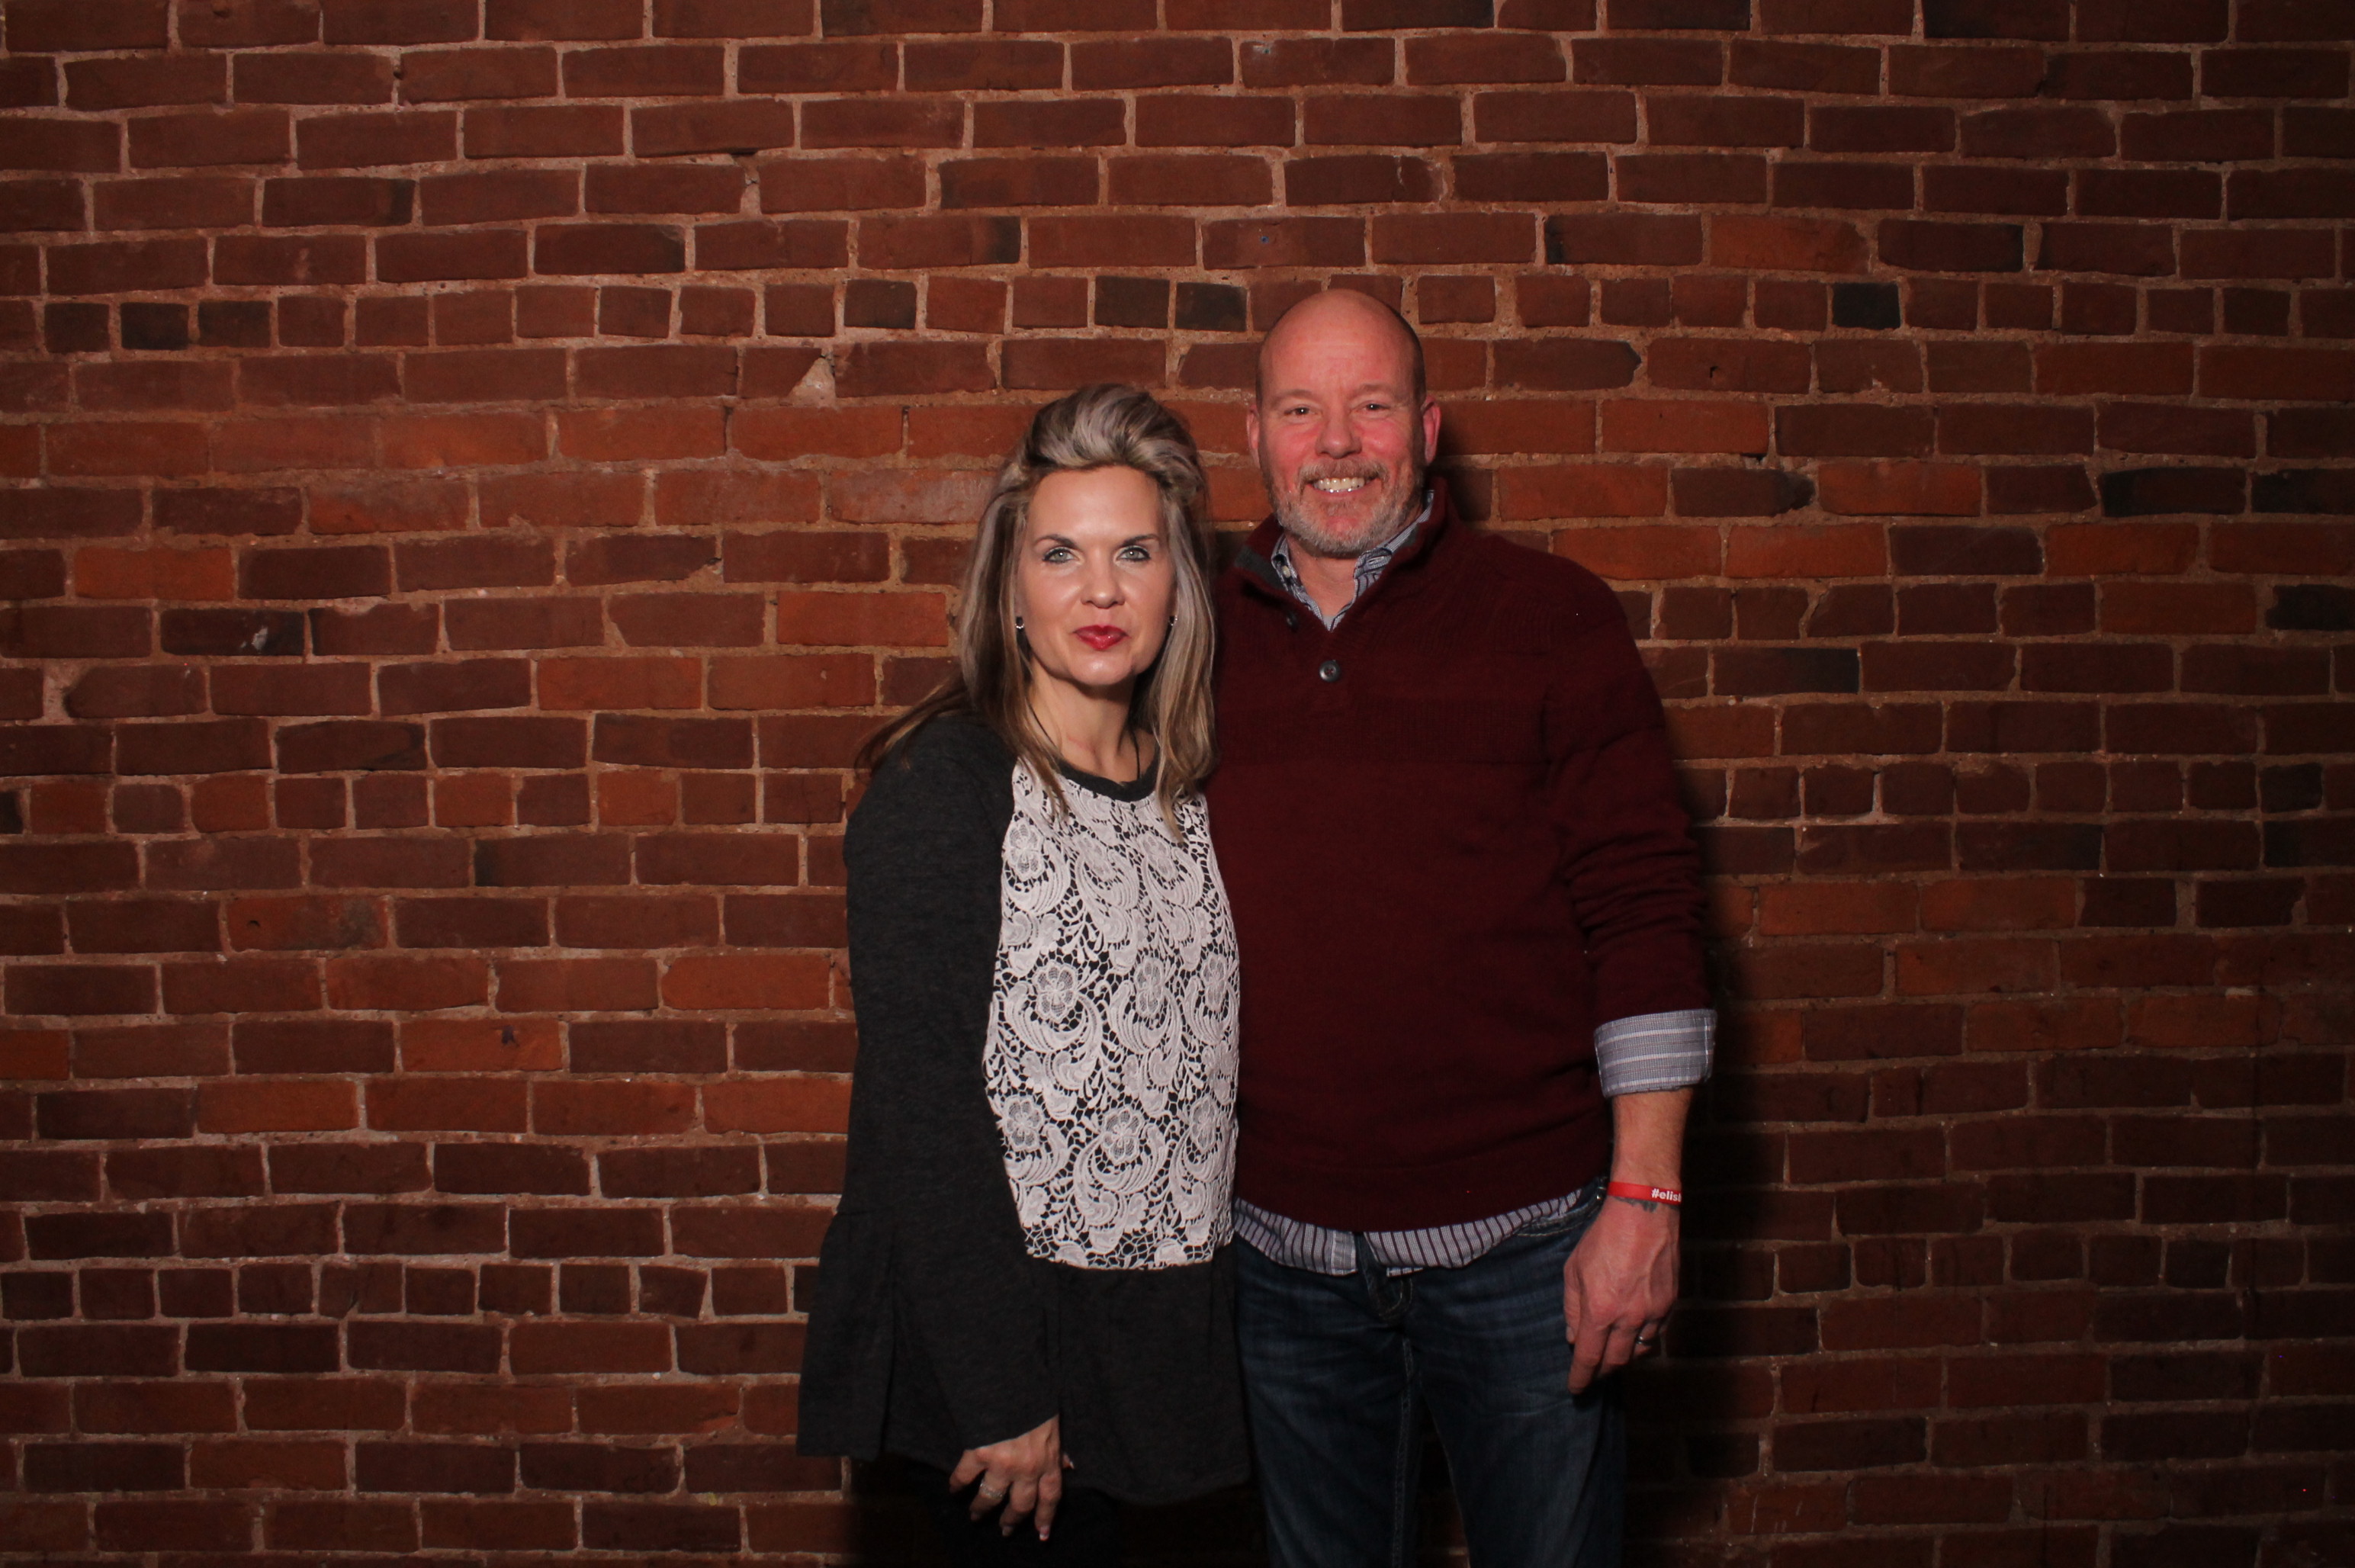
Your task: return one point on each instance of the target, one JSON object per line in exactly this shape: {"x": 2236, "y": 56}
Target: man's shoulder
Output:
{"x": 1550, "y": 589}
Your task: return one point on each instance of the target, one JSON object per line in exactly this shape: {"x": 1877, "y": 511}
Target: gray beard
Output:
{"x": 1402, "y": 507}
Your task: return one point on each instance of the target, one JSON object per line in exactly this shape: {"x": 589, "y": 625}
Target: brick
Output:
{"x": 540, "y": 19}
{"x": 505, "y": 194}
{"x": 67, "y": 145}
{"x": 640, "y": 434}
{"x": 1923, "y": 246}
{"x": 148, "y": 1526}
{"x": 1381, "y": 120}
{"x": 1009, "y": 65}
{"x": 575, "y": 249}
{"x": 747, "y": 1233}
{"x": 576, "y": 985}
{"x": 1625, "y": 238}
{"x": 27, "y": 205}
{"x": 1660, "y": 61}
{"x": 731, "y": 982}
{"x": 322, "y": 77}
{"x": 819, "y": 67}
{"x": 559, "y": 131}
{"x": 1167, "y": 62}
{"x": 442, "y": 76}
{"x": 2275, "y": 72}
{"x": 1019, "y": 182}
{"x": 47, "y": 25}
{"x": 181, "y": 203}
{"x": 735, "y": 127}
{"x": 732, "y": 1347}
{"x": 1682, "y": 425}
{"x": 830, "y": 122}
{"x": 146, "y": 925}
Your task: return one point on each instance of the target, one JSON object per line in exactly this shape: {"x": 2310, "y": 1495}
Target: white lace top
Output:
{"x": 1110, "y": 1060}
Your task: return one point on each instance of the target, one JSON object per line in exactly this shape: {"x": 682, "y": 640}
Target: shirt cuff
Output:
{"x": 1652, "y": 1051}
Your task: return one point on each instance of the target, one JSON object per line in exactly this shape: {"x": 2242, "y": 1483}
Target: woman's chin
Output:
{"x": 1098, "y": 675}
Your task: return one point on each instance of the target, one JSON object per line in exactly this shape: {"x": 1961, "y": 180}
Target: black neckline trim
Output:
{"x": 1137, "y": 788}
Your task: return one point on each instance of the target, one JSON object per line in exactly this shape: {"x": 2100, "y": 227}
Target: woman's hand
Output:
{"x": 1023, "y": 1475}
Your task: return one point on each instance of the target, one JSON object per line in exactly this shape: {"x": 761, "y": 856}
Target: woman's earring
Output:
{"x": 1018, "y": 623}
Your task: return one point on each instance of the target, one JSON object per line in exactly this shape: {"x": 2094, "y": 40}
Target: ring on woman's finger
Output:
{"x": 993, "y": 1494}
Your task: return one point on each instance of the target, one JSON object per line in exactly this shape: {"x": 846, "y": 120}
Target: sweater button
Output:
{"x": 1329, "y": 670}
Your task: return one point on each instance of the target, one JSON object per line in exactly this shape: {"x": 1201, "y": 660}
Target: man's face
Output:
{"x": 1340, "y": 440}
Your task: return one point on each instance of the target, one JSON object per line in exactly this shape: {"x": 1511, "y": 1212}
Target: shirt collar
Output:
{"x": 1368, "y": 571}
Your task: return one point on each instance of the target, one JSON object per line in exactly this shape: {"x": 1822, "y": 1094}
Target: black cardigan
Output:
{"x": 933, "y": 1329}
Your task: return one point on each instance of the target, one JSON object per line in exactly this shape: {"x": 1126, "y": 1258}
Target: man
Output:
{"x": 1469, "y": 916}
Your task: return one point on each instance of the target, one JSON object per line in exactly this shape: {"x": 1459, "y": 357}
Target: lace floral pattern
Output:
{"x": 1112, "y": 1032}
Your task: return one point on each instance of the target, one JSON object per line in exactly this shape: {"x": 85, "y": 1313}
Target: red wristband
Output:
{"x": 1642, "y": 1193}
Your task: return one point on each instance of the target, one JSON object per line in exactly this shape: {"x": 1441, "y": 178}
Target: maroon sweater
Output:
{"x": 1450, "y": 832}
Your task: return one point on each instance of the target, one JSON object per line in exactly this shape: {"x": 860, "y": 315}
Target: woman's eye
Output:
{"x": 1136, "y": 552}
{"x": 1057, "y": 554}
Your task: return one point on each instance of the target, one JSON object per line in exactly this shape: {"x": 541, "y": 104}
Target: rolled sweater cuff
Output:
{"x": 1652, "y": 1051}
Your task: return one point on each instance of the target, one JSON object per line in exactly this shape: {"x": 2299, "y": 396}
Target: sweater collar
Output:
{"x": 1254, "y": 562}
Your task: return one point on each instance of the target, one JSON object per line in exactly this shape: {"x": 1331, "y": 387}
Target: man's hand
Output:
{"x": 1618, "y": 1287}
{"x": 1021, "y": 1475}
{"x": 1620, "y": 1279}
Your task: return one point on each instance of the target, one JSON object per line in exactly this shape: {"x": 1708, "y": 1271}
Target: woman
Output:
{"x": 1030, "y": 1269}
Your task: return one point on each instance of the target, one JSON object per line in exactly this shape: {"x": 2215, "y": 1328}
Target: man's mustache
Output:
{"x": 1311, "y": 475}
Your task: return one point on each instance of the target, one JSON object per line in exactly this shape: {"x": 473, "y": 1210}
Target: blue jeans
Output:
{"x": 1337, "y": 1368}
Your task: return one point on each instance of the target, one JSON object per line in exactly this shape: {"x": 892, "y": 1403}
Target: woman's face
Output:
{"x": 1095, "y": 583}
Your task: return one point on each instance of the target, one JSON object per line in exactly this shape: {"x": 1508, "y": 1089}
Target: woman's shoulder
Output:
{"x": 946, "y": 741}
{"x": 950, "y": 762}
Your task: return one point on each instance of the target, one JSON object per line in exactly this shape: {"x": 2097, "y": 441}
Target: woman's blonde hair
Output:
{"x": 1101, "y": 426}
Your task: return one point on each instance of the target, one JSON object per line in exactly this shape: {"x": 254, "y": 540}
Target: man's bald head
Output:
{"x": 1342, "y": 427}
{"x": 1344, "y": 311}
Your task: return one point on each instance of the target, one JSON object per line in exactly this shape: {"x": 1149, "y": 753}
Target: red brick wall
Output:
{"x": 474, "y": 468}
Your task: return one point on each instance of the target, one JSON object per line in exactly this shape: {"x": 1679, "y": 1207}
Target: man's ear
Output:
{"x": 1251, "y": 428}
{"x": 1430, "y": 427}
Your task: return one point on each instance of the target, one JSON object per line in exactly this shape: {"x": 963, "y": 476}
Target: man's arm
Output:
{"x": 1620, "y": 1279}
{"x": 1633, "y": 873}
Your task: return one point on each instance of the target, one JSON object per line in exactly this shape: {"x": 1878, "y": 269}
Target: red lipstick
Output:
{"x": 1099, "y": 637}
